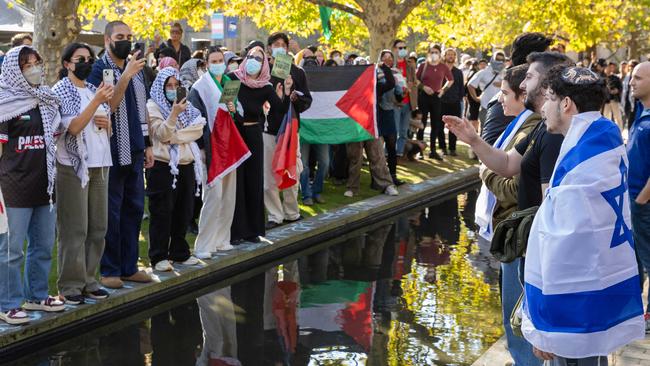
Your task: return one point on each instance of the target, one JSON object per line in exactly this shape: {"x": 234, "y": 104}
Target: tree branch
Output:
{"x": 407, "y": 6}
{"x": 341, "y": 7}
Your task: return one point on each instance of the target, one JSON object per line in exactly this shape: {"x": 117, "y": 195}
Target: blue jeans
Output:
{"x": 125, "y": 210}
{"x": 323, "y": 163}
{"x": 402, "y": 122}
{"x": 641, "y": 231}
{"x": 511, "y": 288}
{"x": 36, "y": 224}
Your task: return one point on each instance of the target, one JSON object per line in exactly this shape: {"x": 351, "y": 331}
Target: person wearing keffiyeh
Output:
{"x": 176, "y": 174}
{"x": 130, "y": 151}
{"x": 29, "y": 118}
{"x": 83, "y": 161}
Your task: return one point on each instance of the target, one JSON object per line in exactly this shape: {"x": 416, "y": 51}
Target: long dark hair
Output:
{"x": 67, "y": 56}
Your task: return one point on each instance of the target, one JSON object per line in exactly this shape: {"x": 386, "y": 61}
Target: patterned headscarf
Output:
{"x": 75, "y": 146}
{"x": 189, "y": 73}
{"x": 189, "y": 117}
{"x": 17, "y": 96}
{"x": 264, "y": 77}
{"x": 167, "y": 62}
{"x": 121, "y": 114}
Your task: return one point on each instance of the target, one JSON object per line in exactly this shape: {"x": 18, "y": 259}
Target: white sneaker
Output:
{"x": 348, "y": 193}
{"x": 51, "y": 304}
{"x": 14, "y": 317}
{"x": 201, "y": 255}
{"x": 164, "y": 266}
{"x": 391, "y": 190}
{"x": 191, "y": 261}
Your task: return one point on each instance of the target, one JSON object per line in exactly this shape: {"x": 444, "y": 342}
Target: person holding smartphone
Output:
{"x": 131, "y": 152}
{"x": 83, "y": 159}
{"x": 173, "y": 180}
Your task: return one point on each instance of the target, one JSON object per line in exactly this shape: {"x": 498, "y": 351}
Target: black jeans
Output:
{"x": 448, "y": 109}
{"x": 170, "y": 211}
{"x": 430, "y": 107}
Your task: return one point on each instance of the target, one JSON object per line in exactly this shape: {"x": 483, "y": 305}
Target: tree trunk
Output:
{"x": 382, "y": 24}
{"x": 633, "y": 46}
{"x": 56, "y": 24}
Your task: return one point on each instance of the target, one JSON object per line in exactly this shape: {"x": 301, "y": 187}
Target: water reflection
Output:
{"x": 416, "y": 291}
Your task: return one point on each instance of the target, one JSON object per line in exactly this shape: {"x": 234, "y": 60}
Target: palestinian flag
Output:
{"x": 228, "y": 147}
{"x": 343, "y": 107}
{"x": 286, "y": 151}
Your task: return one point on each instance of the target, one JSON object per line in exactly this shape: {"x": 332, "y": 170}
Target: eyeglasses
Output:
{"x": 579, "y": 76}
{"x": 82, "y": 59}
{"x": 256, "y": 58}
{"x": 401, "y": 48}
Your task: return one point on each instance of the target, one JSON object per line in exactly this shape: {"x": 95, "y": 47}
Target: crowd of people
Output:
{"x": 75, "y": 158}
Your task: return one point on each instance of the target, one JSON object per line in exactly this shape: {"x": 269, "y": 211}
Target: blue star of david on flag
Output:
{"x": 615, "y": 197}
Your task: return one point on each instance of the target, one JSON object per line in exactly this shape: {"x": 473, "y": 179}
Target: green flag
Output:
{"x": 325, "y": 14}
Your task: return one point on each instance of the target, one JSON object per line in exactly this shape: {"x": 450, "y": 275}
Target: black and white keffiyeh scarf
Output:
{"x": 17, "y": 96}
{"x": 75, "y": 145}
{"x": 189, "y": 73}
{"x": 121, "y": 114}
{"x": 189, "y": 117}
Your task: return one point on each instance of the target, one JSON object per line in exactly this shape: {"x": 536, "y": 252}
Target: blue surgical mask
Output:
{"x": 277, "y": 51}
{"x": 217, "y": 69}
{"x": 253, "y": 66}
{"x": 170, "y": 95}
{"x": 402, "y": 53}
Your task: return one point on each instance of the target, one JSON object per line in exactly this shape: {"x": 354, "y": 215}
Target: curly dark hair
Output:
{"x": 586, "y": 96}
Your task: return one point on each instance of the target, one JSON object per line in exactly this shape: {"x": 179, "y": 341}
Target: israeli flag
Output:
{"x": 487, "y": 201}
{"x": 583, "y": 296}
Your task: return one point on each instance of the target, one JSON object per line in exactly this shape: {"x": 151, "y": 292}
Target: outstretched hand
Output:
{"x": 463, "y": 130}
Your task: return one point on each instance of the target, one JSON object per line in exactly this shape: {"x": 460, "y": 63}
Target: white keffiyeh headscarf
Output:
{"x": 75, "y": 145}
{"x": 17, "y": 96}
{"x": 189, "y": 117}
{"x": 121, "y": 114}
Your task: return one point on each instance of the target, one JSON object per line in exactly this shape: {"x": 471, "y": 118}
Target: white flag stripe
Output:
{"x": 324, "y": 106}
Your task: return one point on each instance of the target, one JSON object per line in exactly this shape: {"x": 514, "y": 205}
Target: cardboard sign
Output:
{"x": 282, "y": 66}
{"x": 230, "y": 91}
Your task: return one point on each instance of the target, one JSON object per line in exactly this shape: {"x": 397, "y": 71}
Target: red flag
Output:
{"x": 359, "y": 101}
{"x": 286, "y": 151}
{"x": 228, "y": 147}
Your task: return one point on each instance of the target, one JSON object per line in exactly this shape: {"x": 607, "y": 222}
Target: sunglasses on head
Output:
{"x": 253, "y": 57}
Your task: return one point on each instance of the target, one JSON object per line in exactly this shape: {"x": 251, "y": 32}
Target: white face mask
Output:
{"x": 233, "y": 66}
{"x": 33, "y": 75}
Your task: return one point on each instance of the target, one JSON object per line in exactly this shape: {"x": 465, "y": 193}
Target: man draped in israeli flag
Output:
{"x": 583, "y": 296}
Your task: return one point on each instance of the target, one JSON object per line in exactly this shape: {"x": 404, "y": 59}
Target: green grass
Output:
{"x": 410, "y": 172}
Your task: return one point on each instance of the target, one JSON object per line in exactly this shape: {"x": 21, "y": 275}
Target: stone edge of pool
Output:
{"x": 283, "y": 238}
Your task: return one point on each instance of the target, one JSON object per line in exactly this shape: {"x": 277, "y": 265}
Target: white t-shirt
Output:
{"x": 481, "y": 79}
{"x": 97, "y": 144}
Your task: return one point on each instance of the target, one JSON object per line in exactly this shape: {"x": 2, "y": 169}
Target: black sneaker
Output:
{"x": 453, "y": 153}
{"x": 98, "y": 294}
{"x": 74, "y": 299}
{"x": 434, "y": 155}
{"x": 271, "y": 225}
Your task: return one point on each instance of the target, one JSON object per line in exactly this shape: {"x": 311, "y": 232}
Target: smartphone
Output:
{"x": 140, "y": 47}
{"x": 181, "y": 93}
{"x": 108, "y": 77}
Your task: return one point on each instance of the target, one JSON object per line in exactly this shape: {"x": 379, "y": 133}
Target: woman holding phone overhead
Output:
{"x": 83, "y": 160}
{"x": 173, "y": 180}
{"x": 256, "y": 89}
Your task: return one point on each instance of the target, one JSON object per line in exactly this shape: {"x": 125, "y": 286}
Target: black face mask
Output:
{"x": 82, "y": 70}
{"x": 121, "y": 49}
